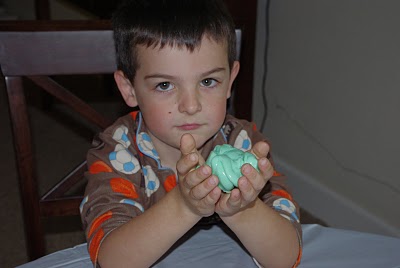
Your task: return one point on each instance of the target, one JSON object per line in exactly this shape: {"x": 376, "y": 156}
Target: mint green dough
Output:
{"x": 226, "y": 162}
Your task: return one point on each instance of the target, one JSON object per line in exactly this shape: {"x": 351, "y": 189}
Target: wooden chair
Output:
{"x": 38, "y": 50}
{"x": 35, "y": 51}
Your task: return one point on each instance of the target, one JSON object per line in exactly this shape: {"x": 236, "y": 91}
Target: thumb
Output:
{"x": 188, "y": 145}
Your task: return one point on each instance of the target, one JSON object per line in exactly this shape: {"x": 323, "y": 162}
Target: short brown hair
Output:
{"x": 180, "y": 23}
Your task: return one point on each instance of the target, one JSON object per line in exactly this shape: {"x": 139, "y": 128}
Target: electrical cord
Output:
{"x": 380, "y": 181}
{"x": 264, "y": 79}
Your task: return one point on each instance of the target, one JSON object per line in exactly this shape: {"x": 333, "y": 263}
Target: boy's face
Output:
{"x": 179, "y": 91}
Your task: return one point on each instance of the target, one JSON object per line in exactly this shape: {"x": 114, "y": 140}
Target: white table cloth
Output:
{"x": 214, "y": 247}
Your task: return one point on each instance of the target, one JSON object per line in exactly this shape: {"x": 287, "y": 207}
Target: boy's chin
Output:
{"x": 201, "y": 141}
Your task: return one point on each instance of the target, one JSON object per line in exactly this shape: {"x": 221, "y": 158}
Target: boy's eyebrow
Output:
{"x": 166, "y": 76}
{"x": 215, "y": 70}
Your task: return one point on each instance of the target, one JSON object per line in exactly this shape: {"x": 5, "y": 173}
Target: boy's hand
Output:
{"x": 198, "y": 186}
{"x": 249, "y": 185}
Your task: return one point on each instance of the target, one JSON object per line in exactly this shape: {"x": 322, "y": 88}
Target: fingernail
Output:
{"x": 192, "y": 157}
{"x": 244, "y": 183}
{"x": 204, "y": 170}
{"x": 213, "y": 181}
{"x": 246, "y": 169}
{"x": 263, "y": 162}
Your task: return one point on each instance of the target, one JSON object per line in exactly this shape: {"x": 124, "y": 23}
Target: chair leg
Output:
{"x": 25, "y": 165}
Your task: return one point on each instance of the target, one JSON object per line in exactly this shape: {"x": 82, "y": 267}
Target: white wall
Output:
{"x": 334, "y": 106}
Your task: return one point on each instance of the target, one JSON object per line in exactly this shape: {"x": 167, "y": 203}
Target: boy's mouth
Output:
{"x": 189, "y": 126}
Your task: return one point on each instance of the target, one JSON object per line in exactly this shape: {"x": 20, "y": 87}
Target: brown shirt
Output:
{"x": 126, "y": 177}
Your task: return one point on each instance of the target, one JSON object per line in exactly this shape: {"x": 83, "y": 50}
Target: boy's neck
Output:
{"x": 168, "y": 155}
{"x": 169, "y": 159}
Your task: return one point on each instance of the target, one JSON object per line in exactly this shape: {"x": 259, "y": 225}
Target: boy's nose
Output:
{"x": 189, "y": 102}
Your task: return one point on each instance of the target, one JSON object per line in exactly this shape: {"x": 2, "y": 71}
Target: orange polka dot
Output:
{"x": 95, "y": 244}
{"x": 170, "y": 183}
{"x": 123, "y": 186}
{"x": 298, "y": 258}
{"x": 282, "y": 193}
{"x": 98, "y": 167}
{"x": 254, "y": 126}
{"x": 277, "y": 174}
{"x": 134, "y": 114}
{"x": 98, "y": 221}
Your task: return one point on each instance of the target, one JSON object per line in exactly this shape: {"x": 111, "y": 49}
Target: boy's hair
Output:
{"x": 180, "y": 23}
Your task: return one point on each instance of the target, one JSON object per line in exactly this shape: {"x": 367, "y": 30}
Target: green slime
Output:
{"x": 226, "y": 162}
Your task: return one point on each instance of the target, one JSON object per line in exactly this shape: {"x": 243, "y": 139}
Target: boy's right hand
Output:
{"x": 199, "y": 188}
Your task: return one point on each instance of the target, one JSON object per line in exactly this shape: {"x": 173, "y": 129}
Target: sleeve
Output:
{"x": 113, "y": 194}
{"x": 275, "y": 194}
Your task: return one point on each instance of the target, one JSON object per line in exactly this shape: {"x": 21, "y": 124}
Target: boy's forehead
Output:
{"x": 207, "y": 47}
{"x": 210, "y": 54}
{"x": 206, "y": 41}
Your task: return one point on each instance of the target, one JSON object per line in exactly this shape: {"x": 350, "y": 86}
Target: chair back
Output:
{"x": 37, "y": 51}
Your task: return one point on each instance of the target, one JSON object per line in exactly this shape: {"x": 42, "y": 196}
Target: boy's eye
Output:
{"x": 164, "y": 86}
{"x": 209, "y": 82}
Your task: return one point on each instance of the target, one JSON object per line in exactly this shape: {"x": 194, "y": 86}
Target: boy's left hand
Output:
{"x": 198, "y": 187}
{"x": 249, "y": 185}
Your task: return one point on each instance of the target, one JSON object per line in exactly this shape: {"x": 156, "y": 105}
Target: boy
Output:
{"x": 176, "y": 63}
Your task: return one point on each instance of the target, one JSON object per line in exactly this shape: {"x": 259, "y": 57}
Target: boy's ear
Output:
{"x": 126, "y": 88}
{"x": 234, "y": 73}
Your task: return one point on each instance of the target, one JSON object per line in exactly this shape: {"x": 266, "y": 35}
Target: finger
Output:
{"x": 202, "y": 189}
{"x": 266, "y": 168}
{"x": 260, "y": 149}
{"x": 198, "y": 177}
{"x": 186, "y": 163}
{"x": 211, "y": 198}
{"x": 255, "y": 178}
{"x": 247, "y": 191}
{"x": 201, "y": 159}
{"x": 234, "y": 199}
{"x": 229, "y": 203}
{"x": 188, "y": 145}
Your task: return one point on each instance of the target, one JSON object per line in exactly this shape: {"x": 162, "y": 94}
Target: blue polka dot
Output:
{"x": 246, "y": 144}
{"x": 146, "y": 137}
{"x": 132, "y": 203}
{"x": 124, "y": 137}
{"x": 151, "y": 185}
{"x": 113, "y": 156}
{"x": 129, "y": 166}
{"x": 128, "y": 201}
{"x": 285, "y": 202}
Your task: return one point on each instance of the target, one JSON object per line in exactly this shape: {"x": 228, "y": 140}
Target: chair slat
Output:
{"x": 68, "y": 206}
{"x": 62, "y": 52}
{"x": 71, "y": 100}
{"x": 69, "y": 181}
{"x": 25, "y": 166}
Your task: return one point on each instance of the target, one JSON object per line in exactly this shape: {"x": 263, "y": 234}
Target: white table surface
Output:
{"x": 213, "y": 247}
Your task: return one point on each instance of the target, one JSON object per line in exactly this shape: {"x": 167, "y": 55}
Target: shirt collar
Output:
{"x": 146, "y": 146}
